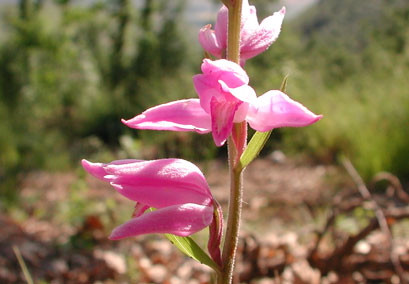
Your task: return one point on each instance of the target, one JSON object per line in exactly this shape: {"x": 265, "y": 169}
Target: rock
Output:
{"x": 114, "y": 260}
{"x": 277, "y": 157}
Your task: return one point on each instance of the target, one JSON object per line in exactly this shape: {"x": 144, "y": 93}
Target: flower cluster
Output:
{"x": 175, "y": 188}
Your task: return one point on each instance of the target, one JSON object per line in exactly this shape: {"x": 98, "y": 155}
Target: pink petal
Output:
{"x": 159, "y": 183}
{"x": 181, "y": 220}
{"x": 227, "y": 71}
{"x": 275, "y": 109}
{"x": 207, "y": 85}
{"x": 97, "y": 169}
{"x": 249, "y": 22}
{"x": 221, "y": 26}
{"x": 256, "y": 41}
{"x": 208, "y": 40}
{"x": 207, "y": 88}
{"x": 244, "y": 93}
{"x": 182, "y": 115}
{"x": 222, "y": 119}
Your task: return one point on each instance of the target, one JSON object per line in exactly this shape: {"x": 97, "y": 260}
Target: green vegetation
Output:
{"x": 350, "y": 62}
{"x": 69, "y": 73}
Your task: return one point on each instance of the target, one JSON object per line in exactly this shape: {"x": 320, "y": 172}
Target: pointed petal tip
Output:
{"x": 84, "y": 163}
{"x": 218, "y": 142}
{"x": 89, "y": 166}
{"x": 95, "y": 169}
{"x": 133, "y": 122}
{"x": 317, "y": 117}
{"x": 114, "y": 236}
{"x": 283, "y": 10}
{"x": 208, "y": 40}
{"x": 206, "y": 27}
{"x": 128, "y": 122}
{"x": 119, "y": 233}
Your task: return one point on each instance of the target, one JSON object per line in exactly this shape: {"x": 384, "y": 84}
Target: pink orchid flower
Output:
{"x": 225, "y": 99}
{"x": 175, "y": 187}
{"x": 254, "y": 37}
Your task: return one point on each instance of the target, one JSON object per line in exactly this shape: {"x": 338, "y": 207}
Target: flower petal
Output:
{"x": 256, "y": 41}
{"x": 97, "y": 169}
{"x": 222, "y": 119}
{"x": 206, "y": 88}
{"x": 157, "y": 183}
{"x": 181, "y": 220}
{"x": 182, "y": 115}
{"x": 245, "y": 94}
{"x": 207, "y": 85}
{"x": 275, "y": 109}
{"x": 209, "y": 42}
{"x": 249, "y": 22}
{"x": 227, "y": 71}
{"x": 221, "y": 26}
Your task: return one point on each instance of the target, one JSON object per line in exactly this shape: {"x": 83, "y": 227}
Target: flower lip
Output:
{"x": 275, "y": 109}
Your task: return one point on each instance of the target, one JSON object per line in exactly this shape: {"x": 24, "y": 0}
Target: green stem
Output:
{"x": 233, "y": 222}
{"x": 233, "y": 36}
{"x": 236, "y": 193}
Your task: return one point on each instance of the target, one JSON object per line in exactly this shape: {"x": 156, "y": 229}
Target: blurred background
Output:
{"x": 70, "y": 70}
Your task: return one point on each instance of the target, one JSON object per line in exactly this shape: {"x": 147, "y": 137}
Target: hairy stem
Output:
{"x": 236, "y": 193}
{"x": 233, "y": 222}
{"x": 233, "y": 36}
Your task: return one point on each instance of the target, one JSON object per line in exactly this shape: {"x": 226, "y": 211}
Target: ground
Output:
{"x": 62, "y": 226}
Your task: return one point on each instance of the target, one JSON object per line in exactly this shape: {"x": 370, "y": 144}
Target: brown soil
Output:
{"x": 279, "y": 210}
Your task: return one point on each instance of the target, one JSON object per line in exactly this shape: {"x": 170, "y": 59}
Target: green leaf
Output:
{"x": 258, "y": 140}
{"x": 254, "y": 147}
{"x": 189, "y": 247}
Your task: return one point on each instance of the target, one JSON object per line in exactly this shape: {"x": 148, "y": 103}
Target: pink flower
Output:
{"x": 254, "y": 37}
{"x": 175, "y": 187}
{"x": 225, "y": 99}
